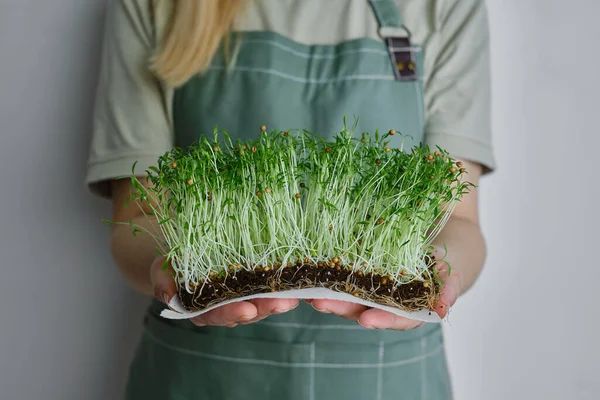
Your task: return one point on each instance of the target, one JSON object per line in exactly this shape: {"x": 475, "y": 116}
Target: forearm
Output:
{"x": 466, "y": 250}
{"x": 134, "y": 254}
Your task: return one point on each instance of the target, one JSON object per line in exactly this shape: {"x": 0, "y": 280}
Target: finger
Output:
{"x": 228, "y": 314}
{"x": 162, "y": 280}
{"x": 267, "y": 307}
{"x": 450, "y": 290}
{"x": 379, "y": 319}
{"x": 275, "y": 308}
{"x": 232, "y": 325}
{"x": 344, "y": 309}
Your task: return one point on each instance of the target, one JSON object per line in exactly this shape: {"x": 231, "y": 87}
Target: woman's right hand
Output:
{"x": 230, "y": 315}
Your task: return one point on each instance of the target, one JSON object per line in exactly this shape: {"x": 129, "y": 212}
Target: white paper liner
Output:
{"x": 178, "y": 312}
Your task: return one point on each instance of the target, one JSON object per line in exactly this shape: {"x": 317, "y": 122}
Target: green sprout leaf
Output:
{"x": 284, "y": 196}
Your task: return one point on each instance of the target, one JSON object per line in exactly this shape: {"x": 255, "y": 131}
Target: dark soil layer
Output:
{"x": 410, "y": 296}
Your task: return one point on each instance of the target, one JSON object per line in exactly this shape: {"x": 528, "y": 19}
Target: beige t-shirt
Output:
{"x": 133, "y": 115}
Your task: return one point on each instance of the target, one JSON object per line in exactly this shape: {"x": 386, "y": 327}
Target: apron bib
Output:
{"x": 302, "y": 354}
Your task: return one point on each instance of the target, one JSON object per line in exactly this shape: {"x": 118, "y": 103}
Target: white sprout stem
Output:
{"x": 260, "y": 221}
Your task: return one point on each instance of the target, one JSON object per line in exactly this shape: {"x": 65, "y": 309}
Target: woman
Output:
{"x": 174, "y": 70}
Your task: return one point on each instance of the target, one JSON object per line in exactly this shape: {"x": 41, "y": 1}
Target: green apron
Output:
{"x": 302, "y": 354}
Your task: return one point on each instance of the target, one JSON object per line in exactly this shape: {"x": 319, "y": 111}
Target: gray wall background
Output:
{"x": 68, "y": 323}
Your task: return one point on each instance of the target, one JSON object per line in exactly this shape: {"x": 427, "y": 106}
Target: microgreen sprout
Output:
{"x": 292, "y": 197}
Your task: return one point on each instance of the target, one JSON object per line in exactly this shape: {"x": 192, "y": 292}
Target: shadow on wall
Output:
{"x": 82, "y": 322}
{"x": 122, "y": 308}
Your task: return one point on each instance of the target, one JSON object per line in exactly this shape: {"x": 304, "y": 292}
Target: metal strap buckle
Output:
{"x": 401, "y": 52}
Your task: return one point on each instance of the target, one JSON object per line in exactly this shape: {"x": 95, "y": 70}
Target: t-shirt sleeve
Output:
{"x": 131, "y": 120}
{"x": 457, "y": 90}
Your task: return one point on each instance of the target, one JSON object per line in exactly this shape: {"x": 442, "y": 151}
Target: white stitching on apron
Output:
{"x": 423, "y": 386}
{"x": 313, "y": 81}
{"x": 312, "y": 370}
{"x": 292, "y": 365}
{"x": 313, "y": 56}
{"x": 380, "y": 372}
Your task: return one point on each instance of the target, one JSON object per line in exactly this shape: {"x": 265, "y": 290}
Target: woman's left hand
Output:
{"x": 378, "y": 319}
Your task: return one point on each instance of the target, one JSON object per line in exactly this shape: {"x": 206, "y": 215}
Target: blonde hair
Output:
{"x": 193, "y": 36}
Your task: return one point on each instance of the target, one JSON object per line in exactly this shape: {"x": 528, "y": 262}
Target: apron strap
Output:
{"x": 397, "y": 37}
{"x": 387, "y": 14}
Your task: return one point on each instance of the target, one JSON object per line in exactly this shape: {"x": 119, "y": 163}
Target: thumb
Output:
{"x": 161, "y": 276}
{"x": 450, "y": 289}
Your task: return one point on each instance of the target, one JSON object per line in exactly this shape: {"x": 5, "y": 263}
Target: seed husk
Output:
{"x": 190, "y": 182}
{"x": 459, "y": 164}
{"x": 216, "y": 149}
{"x": 173, "y": 165}
{"x": 267, "y": 190}
{"x": 452, "y": 170}
{"x": 377, "y": 161}
{"x": 253, "y": 149}
{"x": 430, "y": 157}
{"x": 392, "y": 132}
{"x": 336, "y": 260}
{"x": 297, "y": 195}
{"x": 263, "y": 128}
{"x": 387, "y": 149}
{"x": 380, "y": 221}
